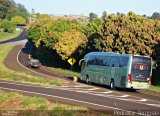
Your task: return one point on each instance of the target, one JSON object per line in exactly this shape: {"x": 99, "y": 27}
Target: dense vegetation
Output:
{"x": 9, "y": 9}
{"x": 11, "y": 14}
{"x": 131, "y": 34}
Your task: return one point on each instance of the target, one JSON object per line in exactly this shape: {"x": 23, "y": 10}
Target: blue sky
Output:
{"x": 84, "y": 7}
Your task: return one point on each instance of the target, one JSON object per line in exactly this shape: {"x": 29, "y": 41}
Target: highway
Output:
{"x": 93, "y": 96}
{"x": 90, "y": 96}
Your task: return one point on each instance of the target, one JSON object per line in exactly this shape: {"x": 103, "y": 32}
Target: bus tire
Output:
{"x": 112, "y": 84}
{"x": 87, "y": 80}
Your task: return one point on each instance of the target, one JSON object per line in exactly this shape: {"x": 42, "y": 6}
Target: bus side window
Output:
{"x": 106, "y": 64}
{"x": 83, "y": 65}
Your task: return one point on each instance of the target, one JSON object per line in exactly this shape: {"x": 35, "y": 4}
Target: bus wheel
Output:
{"x": 87, "y": 80}
{"x": 112, "y": 84}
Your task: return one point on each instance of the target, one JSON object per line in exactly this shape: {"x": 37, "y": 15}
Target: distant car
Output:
{"x": 34, "y": 63}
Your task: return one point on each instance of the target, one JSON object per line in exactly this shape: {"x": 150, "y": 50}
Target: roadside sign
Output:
{"x": 71, "y": 61}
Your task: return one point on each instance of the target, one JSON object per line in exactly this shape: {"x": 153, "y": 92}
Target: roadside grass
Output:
{"x": 8, "y": 74}
{"x": 154, "y": 88}
{"x": 34, "y": 106}
{"x": 53, "y": 67}
{"x": 43, "y": 104}
{"x": 29, "y": 105}
{"x": 17, "y": 101}
{"x": 4, "y": 97}
{"x": 6, "y": 36}
{"x": 68, "y": 72}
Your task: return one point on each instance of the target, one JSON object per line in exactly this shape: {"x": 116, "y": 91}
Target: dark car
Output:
{"x": 34, "y": 63}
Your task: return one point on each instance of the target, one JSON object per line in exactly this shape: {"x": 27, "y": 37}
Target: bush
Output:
{"x": 8, "y": 26}
{"x": 18, "y": 20}
{"x": 1, "y": 29}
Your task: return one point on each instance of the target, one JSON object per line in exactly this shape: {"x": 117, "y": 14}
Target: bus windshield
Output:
{"x": 141, "y": 68}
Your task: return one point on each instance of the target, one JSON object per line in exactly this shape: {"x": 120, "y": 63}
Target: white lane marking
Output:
{"x": 140, "y": 101}
{"x": 102, "y": 92}
{"x": 85, "y": 89}
{"x": 109, "y": 96}
{"x": 69, "y": 88}
{"x": 154, "y": 104}
{"x": 28, "y": 68}
{"x": 75, "y": 86}
{"x": 25, "y": 66}
{"x": 143, "y": 100}
{"x": 124, "y": 96}
{"x": 92, "y": 89}
{"x": 31, "y": 85}
{"x": 50, "y": 76}
{"x": 65, "y": 98}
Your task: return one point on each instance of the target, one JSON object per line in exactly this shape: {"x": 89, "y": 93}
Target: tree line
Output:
{"x": 118, "y": 33}
{"x": 12, "y": 14}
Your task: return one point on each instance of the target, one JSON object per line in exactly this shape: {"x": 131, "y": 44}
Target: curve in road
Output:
{"x": 21, "y": 37}
{"x": 90, "y": 96}
{"x": 96, "y": 101}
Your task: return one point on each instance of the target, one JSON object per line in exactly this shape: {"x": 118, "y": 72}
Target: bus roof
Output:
{"x": 113, "y": 54}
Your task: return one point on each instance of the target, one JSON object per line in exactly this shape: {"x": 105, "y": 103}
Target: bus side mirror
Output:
{"x": 81, "y": 61}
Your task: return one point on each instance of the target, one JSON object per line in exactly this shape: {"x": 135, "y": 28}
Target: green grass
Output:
{"x": 154, "y": 88}
{"x": 17, "y": 101}
{"x": 8, "y": 74}
{"x": 34, "y": 100}
{"x": 6, "y": 36}
{"x": 65, "y": 71}
{"x": 6, "y": 96}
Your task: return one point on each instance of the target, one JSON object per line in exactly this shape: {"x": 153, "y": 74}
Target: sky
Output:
{"x": 84, "y": 7}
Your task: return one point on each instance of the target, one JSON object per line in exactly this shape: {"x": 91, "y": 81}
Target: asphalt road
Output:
{"x": 90, "y": 96}
{"x": 95, "y": 97}
{"x": 24, "y": 57}
{"x": 21, "y": 37}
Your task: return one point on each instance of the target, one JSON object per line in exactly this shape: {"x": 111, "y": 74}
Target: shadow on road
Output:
{"x": 30, "y": 49}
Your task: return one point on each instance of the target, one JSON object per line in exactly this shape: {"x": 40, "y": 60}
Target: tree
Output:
{"x": 18, "y": 20}
{"x": 93, "y": 26}
{"x": 69, "y": 43}
{"x": 92, "y": 16}
{"x": 5, "y": 6}
{"x": 131, "y": 34}
{"x": 155, "y": 15}
{"x": 43, "y": 16}
{"x": 8, "y": 9}
{"x": 22, "y": 11}
{"x": 8, "y": 26}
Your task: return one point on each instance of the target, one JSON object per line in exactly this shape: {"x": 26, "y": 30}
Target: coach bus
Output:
{"x": 117, "y": 70}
